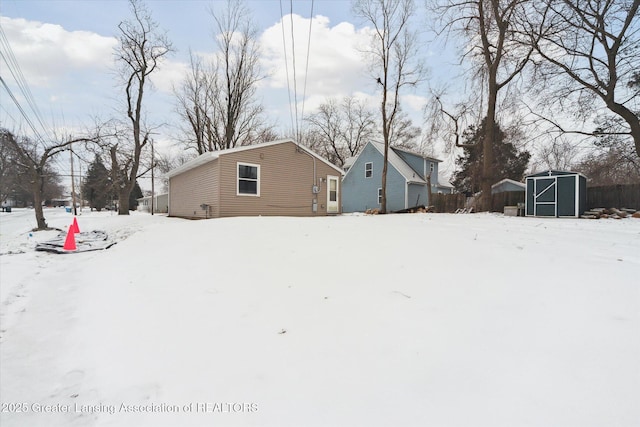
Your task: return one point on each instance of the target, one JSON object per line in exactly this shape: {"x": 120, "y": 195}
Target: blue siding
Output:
{"x": 422, "y": 166}
{"x": 416, "y": 162}
{"x": 360, "y": 193}
{"x": 418, "y": 195}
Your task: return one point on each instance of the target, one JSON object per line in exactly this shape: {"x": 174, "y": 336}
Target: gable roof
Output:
{"x": 433, "y": 159}
{"x": 212, "y": 155}
{"x": 400, "y": 165}
{"x": 507, "y": 180}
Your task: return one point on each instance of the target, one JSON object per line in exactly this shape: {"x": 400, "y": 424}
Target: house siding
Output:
{"x": 507, "y": 186}
{"x": 286, "y": 182}
{"x": 418, "y": 195}
{"x": 361, "y": 193}
{"x": 421, "y": 165}
{"x": 193, "y": 188}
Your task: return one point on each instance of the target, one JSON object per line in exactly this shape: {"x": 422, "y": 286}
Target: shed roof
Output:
{"x": 554, "y": 173}
{"x": 212, "y": 155}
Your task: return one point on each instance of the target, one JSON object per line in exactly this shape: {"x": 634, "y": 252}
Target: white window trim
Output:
{"x": 238, "y": 193}
{"x": 365, "y": 170}
{"x": 333, "y": 206}
{"x": 380, "y": 195}
{"x": 432, "y": 167}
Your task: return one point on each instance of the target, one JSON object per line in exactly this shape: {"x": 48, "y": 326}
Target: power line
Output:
{"x": 293, "y": 106}
{"x": 306, "y": 68}
{"x": 295, "y": 83}
{"x": 16, "y": 72}
{"x": 286, "y": 63}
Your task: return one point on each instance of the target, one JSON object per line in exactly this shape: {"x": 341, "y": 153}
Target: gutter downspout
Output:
{"x": 314, "y": 206}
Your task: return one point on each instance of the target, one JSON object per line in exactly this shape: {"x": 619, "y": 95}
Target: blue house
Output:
{"x": 407, "y": 174}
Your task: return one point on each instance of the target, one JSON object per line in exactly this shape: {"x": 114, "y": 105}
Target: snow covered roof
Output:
{"x": 212, "y": 155}
{"x": 400, "y": 165}
{"x": 433, "y": 159}
{"x": 349, "y": 161}
{"x": 511, "y": 181}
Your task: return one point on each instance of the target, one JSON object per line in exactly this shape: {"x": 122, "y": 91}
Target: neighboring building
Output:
{"x": 160, "y": 203}
{"x": 273, "y": 178}
{"x": 507, "y": 185}
{"x": 556, "y": 194}
{"x": 407, "y": 175}
{"x": 443, "y": 186}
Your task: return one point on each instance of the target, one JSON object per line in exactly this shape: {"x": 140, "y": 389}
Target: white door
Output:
{"x": 332, "y": 194}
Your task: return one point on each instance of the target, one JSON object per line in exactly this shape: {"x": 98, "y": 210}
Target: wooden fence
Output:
{"x": 614, "y": 196}
{"x": 449, "y": 203}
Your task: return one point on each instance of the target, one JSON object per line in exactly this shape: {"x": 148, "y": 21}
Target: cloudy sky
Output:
{"x": 64, "y": 49}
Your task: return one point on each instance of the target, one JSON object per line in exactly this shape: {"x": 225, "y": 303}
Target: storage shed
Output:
{"x": 556, "y": 194}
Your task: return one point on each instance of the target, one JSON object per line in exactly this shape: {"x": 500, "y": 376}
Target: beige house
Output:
{"x": 273, "y": 178}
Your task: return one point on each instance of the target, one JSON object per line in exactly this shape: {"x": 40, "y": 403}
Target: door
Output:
{"x": 545, "y": 196}
{"x": 332, "y": 194}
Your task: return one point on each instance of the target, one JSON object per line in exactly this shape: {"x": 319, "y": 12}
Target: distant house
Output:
{"x": 160, "y": 203}
{"x": 507, "y": 185}
{"x": 273, "y": 178}
{"x": 407, "y": 177}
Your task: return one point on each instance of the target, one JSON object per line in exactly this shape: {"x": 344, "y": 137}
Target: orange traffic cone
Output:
{"x": 70, "y": 242}
{"x": 74, "y": 226}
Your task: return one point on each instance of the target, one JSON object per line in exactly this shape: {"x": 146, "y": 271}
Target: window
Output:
{"x": 333, "y": 190}
{"x": 368, "y": 170}
{"x": 248, "y": 179}
{"x": 379, "y": 196}
{"x": 431, "y": 167}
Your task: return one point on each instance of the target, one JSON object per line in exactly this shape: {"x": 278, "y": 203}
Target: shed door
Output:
{"x": 545, "y": 196}
{"x": 332, "y": 194}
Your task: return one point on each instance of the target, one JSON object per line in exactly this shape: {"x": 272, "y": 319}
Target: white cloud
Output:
{"x": 47, "y": 52}
{"x": 336, "y": 67}
{"x": 414, "y": 102}
{"x": 169, "y": 74}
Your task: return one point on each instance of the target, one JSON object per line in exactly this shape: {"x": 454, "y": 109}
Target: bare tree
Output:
{"x": 393, "y": 53}
{"x": 217, "y": 101}
{"x": 8, "y": 167}
{"x": 590, "y": 57}
{"x": 32, "y": 159}
{"x": 139, "y": 53}
{"x": 194, "y": 106}
{"x": 343, "y": 128}
{"x": 560, "y": 154}
{"x": 494, "y": 46}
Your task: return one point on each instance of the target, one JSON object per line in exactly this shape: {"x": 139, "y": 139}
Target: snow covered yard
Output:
{"x": 397, "y": 320}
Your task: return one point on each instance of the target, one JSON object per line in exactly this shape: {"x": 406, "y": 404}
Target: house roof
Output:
{"x": 400, "y": 165}
{"x": 212, "y": 155}
{"x": 507, "y": 180}
{"x": 433, "y": 159}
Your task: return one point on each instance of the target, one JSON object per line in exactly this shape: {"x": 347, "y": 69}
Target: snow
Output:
{"x": 395, "y": 320}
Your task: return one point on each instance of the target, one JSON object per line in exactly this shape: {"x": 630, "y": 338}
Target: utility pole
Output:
{"x": 153, "y": 165}
{"x": 73, "y": 187}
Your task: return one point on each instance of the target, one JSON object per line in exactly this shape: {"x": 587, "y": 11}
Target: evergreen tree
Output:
{"x": 136, "y": 193}
{"x": 97, "y": 185}
{"x": 507, "y": 161}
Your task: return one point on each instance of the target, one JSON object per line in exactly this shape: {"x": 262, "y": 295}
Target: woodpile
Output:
{"x": 613, "y": 213}
{"x": 415, "y": 209}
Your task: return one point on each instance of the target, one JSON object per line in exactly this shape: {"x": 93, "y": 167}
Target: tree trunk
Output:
{"x": 37, "y": 206}
{"x": 429, "y": 195}
{"x": 633, "y": 121}
{"x": 487, "y": 143}
{"x": 123, "y": 202}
